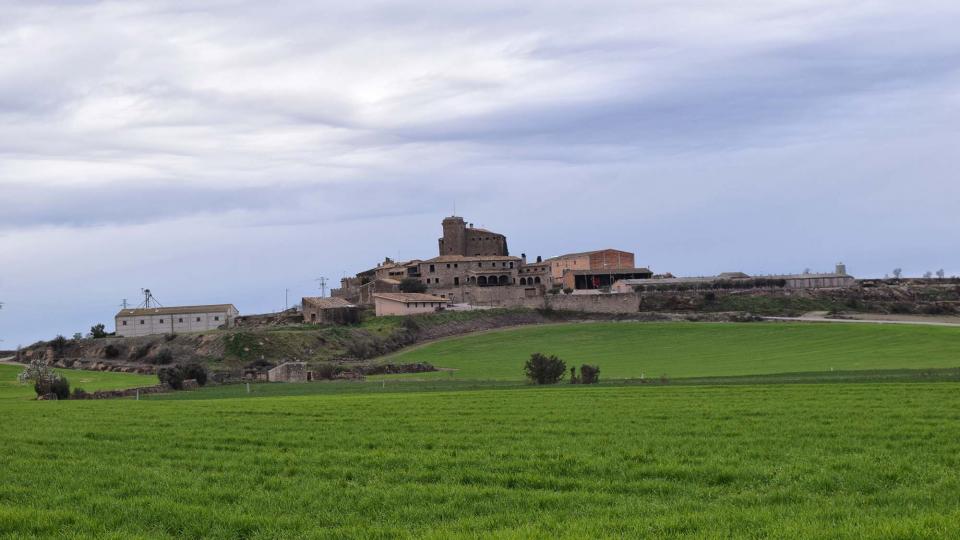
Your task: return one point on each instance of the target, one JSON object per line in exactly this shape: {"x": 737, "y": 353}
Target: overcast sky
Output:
{"x": 225, "y": 151}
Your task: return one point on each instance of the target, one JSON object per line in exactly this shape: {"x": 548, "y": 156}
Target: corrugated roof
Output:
{"x": 609, "y": 271}
{"x": 410, "y": 297}
{"x": 582, "y": 253}
{"x": 176, "y": 310}
{"x": 326, "y": 303}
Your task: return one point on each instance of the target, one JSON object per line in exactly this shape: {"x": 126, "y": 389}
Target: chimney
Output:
{"x": 539, "y": 258}
{"x": 841, "y": 269}
{"x": 523, "y": 258}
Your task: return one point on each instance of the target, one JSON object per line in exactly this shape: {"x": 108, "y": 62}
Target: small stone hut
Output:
{"x": 330, "y": 311}
{"x": 289, "y": 372}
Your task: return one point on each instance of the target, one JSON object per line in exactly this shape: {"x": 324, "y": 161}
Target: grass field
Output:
{"x": 778, "y": 461}
{"x": 629, "y": 350}
{"x": 90, "y": 381}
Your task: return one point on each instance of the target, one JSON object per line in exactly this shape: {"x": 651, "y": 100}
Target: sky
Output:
{"x": 235, "y": 151}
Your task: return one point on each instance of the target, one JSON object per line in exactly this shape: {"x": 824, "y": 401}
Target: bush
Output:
{"x": 79, "y": 393}
{"x": 411, "y": 285}
{"x": 196, "y": 372}
{"x": 326, "y": 371}
{"x": 98, "y": 331}
{"x": 111, "y": 351}
{"x": 140, "y": 352}
{"x": 568, "y": 290}
{"x": 175, "y": 375}
{"x": 58, "y": 385}
{"x": 163, "y": 358}
{"x": 58, "y": 344}
{"x": 589, "y": 374}
{"x": 542, "y": 369}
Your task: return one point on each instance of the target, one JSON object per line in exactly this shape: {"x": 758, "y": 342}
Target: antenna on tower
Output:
{"x": 149, "y": 299}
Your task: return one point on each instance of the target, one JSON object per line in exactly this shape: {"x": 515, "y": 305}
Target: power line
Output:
{"x": 323, "y": 286}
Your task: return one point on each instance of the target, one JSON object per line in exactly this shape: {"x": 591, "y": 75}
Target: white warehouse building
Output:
{"x": 174, "y": 320}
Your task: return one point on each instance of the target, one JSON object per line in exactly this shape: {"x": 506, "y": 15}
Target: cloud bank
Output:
{"x": 228, "y": 150}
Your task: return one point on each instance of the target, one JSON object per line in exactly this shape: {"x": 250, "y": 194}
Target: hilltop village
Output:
{"x": 474, "y": 269}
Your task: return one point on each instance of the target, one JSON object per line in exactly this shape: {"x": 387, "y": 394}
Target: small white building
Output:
{"x": 407, "y": 303}
{"x": 174, "y": 320}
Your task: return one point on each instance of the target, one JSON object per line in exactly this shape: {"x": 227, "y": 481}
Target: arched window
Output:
{"x": 504, "y": 280}
{"x": 482, "y": 281}
{"x": 536, "y": 280}
{"x": 523, "y": 281}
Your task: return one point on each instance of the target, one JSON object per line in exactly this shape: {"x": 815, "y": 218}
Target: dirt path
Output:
{"x": 814, "y": 318}
{"x": 9, "y": 360}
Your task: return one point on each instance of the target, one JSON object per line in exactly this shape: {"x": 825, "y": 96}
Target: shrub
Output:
{"x": 196, "y": 372}
{"x": 58, "y": 344}
{"x": 57, "y": 385}
{"x": 411, "y": 285}
{"x": 175, "y": 375}
{"x": 163, "y": 357}
{"x": 169, "y": 337}
{"x": 589, "y": 374}
{"x": 79, "y": 393}
{"x": 98, "y": 331}
{"x": 542, "y": 369}
{"x": 568, "y": 290}
{"x": 111, "y": 351}
{"x": 140, "y": 352}
{"x": 573, "y": 376}
{"x": 326, "y": 371}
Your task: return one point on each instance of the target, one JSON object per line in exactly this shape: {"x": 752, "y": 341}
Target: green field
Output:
{"x": 632, "y": 350}
{"x": 808, "y": 461}
{"x": 90, "y": 381}
{"x": 723, "y": 448}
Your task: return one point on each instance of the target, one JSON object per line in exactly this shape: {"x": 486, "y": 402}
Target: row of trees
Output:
{"x": 543, "y": 369}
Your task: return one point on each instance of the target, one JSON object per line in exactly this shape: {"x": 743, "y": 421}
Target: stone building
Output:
{"x": 174, "y": 320}
{"x": 467, "y": 241}
{"x": 289, "y": 372}
{"x": 329, "y": 311}
{"x": 538, "y": 273}
{"x": 603, "y": 259}
{"x": 407, "y": 303}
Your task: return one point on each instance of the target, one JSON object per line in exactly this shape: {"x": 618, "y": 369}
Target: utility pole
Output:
{"x": 323, "y": 286}
{"x": 286, "y": 299}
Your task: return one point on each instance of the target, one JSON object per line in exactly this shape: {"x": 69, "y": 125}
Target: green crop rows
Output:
{"x": 779, "y": 461}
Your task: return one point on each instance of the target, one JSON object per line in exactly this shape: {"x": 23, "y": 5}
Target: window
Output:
{"x": 124, "y": 323}
{"x": 143, "y": 321}
{"x": 198, "y": 319}
{"x": 448, "y": 265}
{"x": 433, "y": 268}
{"x": 180, "y": 320}
{"x": 217, "y": 318}
{"x": 456, "y": 281}
{"x": 161, "y": 321}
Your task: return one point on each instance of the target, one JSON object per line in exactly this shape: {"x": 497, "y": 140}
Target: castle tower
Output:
{"x": 454, "y": 241}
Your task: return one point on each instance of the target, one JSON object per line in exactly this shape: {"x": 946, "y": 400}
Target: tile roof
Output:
{"x": 410, "y": 297}
{"x": 462, "y": 258}
{"x": 326, "y": 303}
{"x": 176, "y": 310}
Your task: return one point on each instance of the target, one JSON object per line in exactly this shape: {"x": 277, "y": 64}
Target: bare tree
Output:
{"x": 940, "y": 273}
{"x": 927, "y": 275}
{"x": 897, "y": 272}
